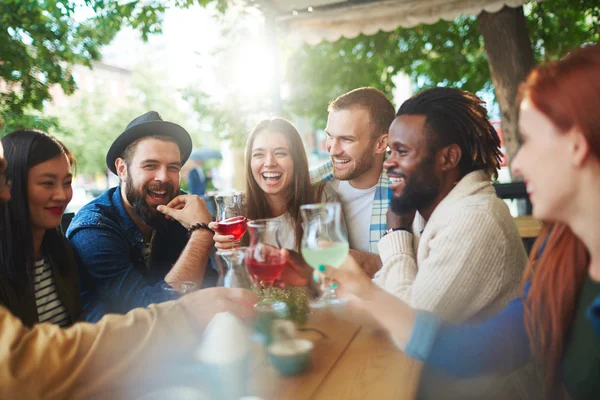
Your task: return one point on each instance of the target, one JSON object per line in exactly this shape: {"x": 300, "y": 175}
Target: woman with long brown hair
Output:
{"x": 277, "y": 184}
{"x": 556, "y": 323}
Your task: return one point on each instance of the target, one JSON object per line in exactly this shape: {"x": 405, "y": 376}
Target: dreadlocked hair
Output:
{"x": 454, "y": 116}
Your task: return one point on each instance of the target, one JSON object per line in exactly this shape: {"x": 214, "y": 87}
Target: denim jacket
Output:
{"x": 114, "y": 276}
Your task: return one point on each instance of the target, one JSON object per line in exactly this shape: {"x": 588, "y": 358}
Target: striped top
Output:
{"x": 49, "y": 307}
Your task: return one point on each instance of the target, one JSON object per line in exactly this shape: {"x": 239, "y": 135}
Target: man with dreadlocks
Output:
{"x": 468, "y": 259}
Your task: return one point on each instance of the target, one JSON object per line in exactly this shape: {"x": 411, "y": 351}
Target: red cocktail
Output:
{"x": 234, "y": 226}
{"x": 265, "y": 272}
{"x": 265, "y": 261}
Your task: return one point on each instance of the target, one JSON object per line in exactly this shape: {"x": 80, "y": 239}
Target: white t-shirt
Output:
{"x": 357, "y": 205}
{"x": 287, "y": 234}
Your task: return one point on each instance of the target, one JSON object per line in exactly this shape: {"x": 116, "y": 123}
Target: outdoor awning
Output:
{"x": 313, "y": 21}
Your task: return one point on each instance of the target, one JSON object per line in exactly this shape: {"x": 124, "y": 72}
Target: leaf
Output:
{"x": 444, "y": 53}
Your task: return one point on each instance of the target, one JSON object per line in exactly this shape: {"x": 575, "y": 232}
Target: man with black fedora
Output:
{"x": 131, "y": 254}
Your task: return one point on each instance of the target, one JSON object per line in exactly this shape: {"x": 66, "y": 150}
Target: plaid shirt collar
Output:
{"x": 381, "y": 201}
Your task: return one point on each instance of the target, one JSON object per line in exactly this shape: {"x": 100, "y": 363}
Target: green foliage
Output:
{"x": 41, "y": 40}
{"x": 444, "y": 53}
{"x": 27, "y": 120}
{"x": 296, "y": 299}
{"x": 227, "y": 120}
{"x": 558, "y": 26}
{"x": 87, "y": 127}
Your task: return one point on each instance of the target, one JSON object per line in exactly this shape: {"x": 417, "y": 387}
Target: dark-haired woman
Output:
{"x": 556, "y": 323}
{"x": 38, "y": 274}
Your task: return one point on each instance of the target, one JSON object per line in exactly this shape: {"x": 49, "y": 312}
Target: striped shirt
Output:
{"x": 381, "y": 201}
{"x": 49, "y": 307}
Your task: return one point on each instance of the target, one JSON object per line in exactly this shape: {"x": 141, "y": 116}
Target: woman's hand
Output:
{"x": 353, "y": 283}
{"x": 397, "y": 317}
{"x": 222, "y": 242}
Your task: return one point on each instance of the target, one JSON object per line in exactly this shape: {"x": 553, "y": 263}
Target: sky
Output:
{"x": 188, "y": 50}
{"x": 187, "y": 53}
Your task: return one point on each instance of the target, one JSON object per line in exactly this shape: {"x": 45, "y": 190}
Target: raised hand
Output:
{"x": 222, "y": 242}
{"x": 352, "y": 281}
{"x": 187, "y": 209}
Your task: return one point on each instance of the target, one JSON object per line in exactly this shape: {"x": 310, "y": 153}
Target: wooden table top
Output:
{"x": 528, "y": 226}
{"x": 355, "y": 361}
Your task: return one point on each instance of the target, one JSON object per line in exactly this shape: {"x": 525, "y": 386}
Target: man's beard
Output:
{"x": 421, "y": 189}
{"x": 149, "y": 215}
{"x": 363, "y": 164}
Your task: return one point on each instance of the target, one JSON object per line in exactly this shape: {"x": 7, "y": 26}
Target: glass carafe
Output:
{"x": 232, "y": 269}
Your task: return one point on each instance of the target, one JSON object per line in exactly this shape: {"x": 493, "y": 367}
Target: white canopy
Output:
{"x": 313, "y": 21}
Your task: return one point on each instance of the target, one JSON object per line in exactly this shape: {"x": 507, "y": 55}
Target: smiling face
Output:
{"x": 350, "y": 143}
{"x": 49, "y": 192}
{"x": 411, "y": 165}
{"x": 151, "y": 178}
{"x": 544, "y": 158}
{"x": 271, "y": 163}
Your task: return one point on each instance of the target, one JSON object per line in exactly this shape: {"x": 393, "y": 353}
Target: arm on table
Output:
{"x": 117, "y": 353}
{"x": 497, "y": 345}
{"x": 49, "y": 362}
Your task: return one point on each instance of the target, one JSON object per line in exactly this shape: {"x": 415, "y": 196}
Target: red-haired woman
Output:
{"x": 556, "y": 323}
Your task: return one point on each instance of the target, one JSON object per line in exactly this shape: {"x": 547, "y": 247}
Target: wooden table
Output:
{"x": 528, "y": 226}
{"x": 354, "y": 361}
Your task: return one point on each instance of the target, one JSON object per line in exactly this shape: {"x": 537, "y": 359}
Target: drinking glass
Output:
{"x": 265, "y": 260}
{"x": 175, "y": 290}
{"x": 230, "y": 215}
{"x": 324, "y": 243}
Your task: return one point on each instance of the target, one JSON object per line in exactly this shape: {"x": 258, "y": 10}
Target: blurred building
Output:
{"x": 114, "y": 81}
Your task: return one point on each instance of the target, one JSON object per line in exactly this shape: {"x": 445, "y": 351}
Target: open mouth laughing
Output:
{"x": 158, "y": 194}
{"x": 271, "y": 178}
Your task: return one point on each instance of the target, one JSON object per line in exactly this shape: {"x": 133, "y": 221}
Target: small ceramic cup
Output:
{"x": 290, "y": 357}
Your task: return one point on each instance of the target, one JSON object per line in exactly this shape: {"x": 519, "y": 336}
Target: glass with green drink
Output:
{"x": 324, "y": 243}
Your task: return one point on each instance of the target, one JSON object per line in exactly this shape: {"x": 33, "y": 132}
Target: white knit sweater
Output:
{"x": 468, "y": 260}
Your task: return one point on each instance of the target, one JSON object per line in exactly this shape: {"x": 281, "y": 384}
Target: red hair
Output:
{"x": 556, "y": 279}
{"x": 568, "y": 93}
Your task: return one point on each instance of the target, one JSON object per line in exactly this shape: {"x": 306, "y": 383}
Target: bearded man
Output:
{"x": 128, "y": 250}
{"x": 462, "y": 257}
{"x": 357, "y": 131}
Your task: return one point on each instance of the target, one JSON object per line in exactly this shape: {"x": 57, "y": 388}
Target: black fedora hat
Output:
{"x": 149, "y": 124}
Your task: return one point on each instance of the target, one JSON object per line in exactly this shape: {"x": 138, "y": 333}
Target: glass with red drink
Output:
{"x": 234, "y": 226}
{"x": 265, "y": 260}
{"x": 266, "y": 269}
{"x": 230, "y": 215}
